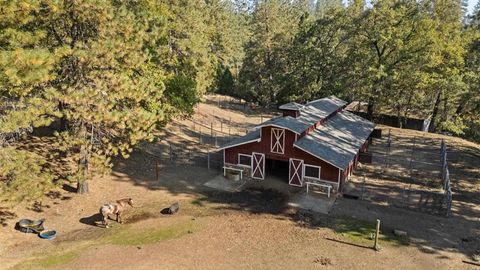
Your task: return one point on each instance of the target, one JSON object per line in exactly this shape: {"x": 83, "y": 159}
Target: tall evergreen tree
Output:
{"x": 273, "y": 25}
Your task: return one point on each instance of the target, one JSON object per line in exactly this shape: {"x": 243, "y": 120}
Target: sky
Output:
{"x": 471, "y": 4}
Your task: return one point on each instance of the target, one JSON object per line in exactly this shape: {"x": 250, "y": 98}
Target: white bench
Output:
{"x": 328, "y": 187}
{"x": 225, "y": 168}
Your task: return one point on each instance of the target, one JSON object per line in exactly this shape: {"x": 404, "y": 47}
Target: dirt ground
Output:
{"x": 252, "y": 229}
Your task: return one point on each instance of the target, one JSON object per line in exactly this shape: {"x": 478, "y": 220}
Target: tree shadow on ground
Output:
{"x": 6, "y": 215}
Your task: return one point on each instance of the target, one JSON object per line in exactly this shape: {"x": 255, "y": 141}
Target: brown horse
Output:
{"x": 114, "y": 208}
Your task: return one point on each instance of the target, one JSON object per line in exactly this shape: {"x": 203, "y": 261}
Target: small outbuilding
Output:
{"x": 318, "y": 142}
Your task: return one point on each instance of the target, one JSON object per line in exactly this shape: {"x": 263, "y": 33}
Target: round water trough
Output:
{"x": 233, "y": 175}
{"x": 49, "y": 234}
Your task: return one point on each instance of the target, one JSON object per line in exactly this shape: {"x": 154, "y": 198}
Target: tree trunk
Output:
{"x": 82, "y": 187}
{"x": 83, "y": 170}
{"x": 399, "y": 118}
{"x": 432, "y": 126}
{"x": 370, "y": 108}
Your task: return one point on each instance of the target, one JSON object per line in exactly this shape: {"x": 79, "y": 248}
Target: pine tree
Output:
{"x": 273, "y": 25}
{"x": 89, "y": 67}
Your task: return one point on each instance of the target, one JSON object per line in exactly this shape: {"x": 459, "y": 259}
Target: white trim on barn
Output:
{"x": 273, "y": 125}
{"x": 309, "y": 177}
{"x": 243, "y": 165}
{"x": 242, "y": 143}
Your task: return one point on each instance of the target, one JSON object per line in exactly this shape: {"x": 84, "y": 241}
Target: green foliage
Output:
{"x": 22, "y": 175}
{"x": 180, "y": 93}
{"x": 414, "y": 58}
{"x": 100, "y": 68}
{"x": 225, "y": 82}
{"x": 273, "y": 24}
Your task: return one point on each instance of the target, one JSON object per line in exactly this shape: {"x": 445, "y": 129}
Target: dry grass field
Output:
{"x": 251, "y": 229}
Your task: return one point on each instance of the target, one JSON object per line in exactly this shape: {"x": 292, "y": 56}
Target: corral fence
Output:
{"x": 412, "y": 173}
{"x": 196, "y": 142}
{"x": 177, "y": 154}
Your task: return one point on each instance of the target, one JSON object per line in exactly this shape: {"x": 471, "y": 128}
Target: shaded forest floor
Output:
{"x": 252, "y": 229}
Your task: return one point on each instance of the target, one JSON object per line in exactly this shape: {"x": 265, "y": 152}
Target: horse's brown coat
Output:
{"x": 114, "y": 208}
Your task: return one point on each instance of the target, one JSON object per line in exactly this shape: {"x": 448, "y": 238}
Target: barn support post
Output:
{"x": 377, "y": 232}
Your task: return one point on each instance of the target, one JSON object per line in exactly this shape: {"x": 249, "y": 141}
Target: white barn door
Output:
{"x": 258, "y": 166}
{"x": 295, "y": 172}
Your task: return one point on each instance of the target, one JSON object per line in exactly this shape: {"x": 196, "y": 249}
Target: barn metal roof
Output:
{"x": 316, "y": 110}
{"x": 287, "y": 122}
{"x": 291, "y": 106}
{"x": 338, "y": 140}
{"x": 310, "y": 114}
{"x": 253, "y": 136}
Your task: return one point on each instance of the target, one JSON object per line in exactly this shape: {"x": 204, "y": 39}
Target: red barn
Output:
{"x": 318, "y": 142}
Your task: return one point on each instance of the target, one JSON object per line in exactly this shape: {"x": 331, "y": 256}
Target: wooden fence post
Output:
{"x": 200, "y": 134}
{"x": 377, "y": 232}
{"x": 208, "y": 158}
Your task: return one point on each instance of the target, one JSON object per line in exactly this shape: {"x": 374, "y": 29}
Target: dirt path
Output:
{"x": 254, "y": 242}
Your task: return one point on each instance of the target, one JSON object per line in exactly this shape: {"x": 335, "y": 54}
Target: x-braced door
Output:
{"x": 277, "y": 143}
{"x": 258, "y": 165}
{"x": 295, "y": 172}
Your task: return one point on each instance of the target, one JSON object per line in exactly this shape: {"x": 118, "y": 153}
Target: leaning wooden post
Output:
{"x": 377, "y": 232}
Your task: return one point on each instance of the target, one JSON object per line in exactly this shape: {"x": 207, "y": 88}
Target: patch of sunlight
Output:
{"x": 49, "y": 261}
{"x": 136, "y": 236}
{"x": 363, "y": 233}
